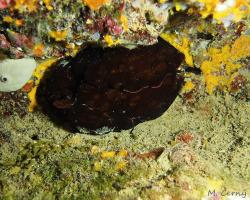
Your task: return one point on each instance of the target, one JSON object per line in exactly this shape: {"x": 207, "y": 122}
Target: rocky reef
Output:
{"x": 197, "y": 149}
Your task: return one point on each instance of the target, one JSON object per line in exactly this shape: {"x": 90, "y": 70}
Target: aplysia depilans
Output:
{"x": 111, "y": 88}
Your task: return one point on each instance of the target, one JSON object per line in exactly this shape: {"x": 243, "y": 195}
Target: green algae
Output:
{"x": 41, "y": 161}
{"x": 45, "y": 170}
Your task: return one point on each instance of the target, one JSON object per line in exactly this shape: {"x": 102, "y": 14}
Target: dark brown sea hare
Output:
{"x": 111, "y": 88}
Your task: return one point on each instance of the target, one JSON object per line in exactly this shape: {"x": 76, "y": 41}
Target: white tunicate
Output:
{"x": 223, "y": 6}
{"x": 14, "y": 73}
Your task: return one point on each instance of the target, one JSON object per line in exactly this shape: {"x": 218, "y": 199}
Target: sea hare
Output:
{"x": 111, "y": 88}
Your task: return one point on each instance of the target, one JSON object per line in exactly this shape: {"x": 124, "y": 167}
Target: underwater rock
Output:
{"x": 111, "y": 88}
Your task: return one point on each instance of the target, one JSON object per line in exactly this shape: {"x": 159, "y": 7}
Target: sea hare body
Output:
{"x": 111, "y": 88}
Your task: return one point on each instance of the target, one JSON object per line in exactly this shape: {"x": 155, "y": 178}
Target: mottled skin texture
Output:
{"x": 116, "y": 87}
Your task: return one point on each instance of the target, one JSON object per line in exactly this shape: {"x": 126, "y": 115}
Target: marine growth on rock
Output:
{"x": 111, "y": 88}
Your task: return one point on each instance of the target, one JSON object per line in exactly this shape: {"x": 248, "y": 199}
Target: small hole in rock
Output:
{"x": 205, "y": 36}
{"x": 35, "y": 137}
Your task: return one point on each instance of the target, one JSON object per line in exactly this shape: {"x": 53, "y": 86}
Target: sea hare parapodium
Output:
{"x": 111, "y": 88}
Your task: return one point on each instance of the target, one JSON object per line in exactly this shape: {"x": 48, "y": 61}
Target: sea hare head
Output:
{"x": 111, "y": 88}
